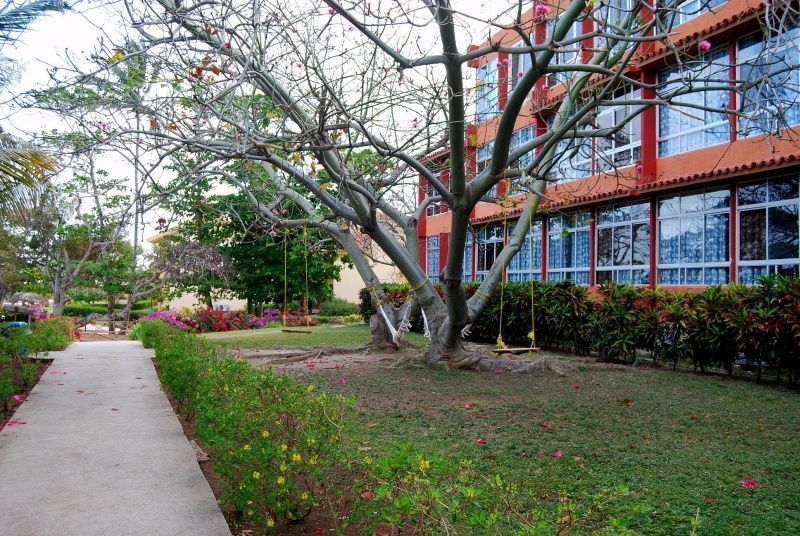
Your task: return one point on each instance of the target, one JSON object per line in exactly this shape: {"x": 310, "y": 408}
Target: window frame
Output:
{"x": 496, "y": 240}
{"x": 432, "y": 245}
{"x": 487, "y": 102}
{"x": 581, "y": 219}
{"x": 681, "y": 266}
{"x": 602, "y": 157}
{"x": 766, "y": 205}
{"x": 524, "y": 273}
{"x": 614, "y": 268}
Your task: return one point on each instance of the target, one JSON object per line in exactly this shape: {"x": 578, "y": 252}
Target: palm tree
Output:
{"x": 21, "y": 164}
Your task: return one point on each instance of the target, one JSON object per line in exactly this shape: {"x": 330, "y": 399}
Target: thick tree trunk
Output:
{"x": 60, "y": 300}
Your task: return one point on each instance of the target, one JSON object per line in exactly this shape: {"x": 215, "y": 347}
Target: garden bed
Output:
{"x": 41, "y": 365}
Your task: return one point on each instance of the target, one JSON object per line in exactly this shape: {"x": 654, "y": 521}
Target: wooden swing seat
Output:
{"x": 515, "y": 351}
{"x": 288, "y": 330}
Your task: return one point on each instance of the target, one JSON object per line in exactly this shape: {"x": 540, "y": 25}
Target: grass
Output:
{"x": 681, "y": 442}
{"x": 348, "y": 336}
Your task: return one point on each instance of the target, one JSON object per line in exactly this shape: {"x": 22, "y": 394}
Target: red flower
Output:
{"x": 749, "y": 483}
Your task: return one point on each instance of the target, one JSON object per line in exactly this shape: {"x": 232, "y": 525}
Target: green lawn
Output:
{"x": 349, "y": 336}
{"x": 681, "y": 442}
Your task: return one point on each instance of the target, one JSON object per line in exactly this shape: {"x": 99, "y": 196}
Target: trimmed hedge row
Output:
{"x": 272, "y": 437}
{"x": 753, "y": 326}
{"x": 85, "y": 309}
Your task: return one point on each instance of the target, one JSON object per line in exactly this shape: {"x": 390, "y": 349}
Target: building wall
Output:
{"x": 732, "y": 162}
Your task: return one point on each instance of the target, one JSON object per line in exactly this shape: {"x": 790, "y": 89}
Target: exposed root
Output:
{"x": 474, "y": 359}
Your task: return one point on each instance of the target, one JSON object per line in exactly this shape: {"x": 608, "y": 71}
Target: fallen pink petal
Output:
{"x": 15, "y": 423}
{"x": 340, "y": 381}
{"x": 749, "y": 483}
{"x": 18, "y": 398}
{"x": 481, "y": 441}
{"x": 556, "y": 454}
{"x": 468, "y": 406}
{"x": 368, "y": 495}
{"x": 546, "y": 424}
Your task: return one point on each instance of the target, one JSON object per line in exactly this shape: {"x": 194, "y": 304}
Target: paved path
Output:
{"x": 102, "y": 453}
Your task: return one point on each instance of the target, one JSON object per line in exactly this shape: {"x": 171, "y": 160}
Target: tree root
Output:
{"x": 475, "y": 360}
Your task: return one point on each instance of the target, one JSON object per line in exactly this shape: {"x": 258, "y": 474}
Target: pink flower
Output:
{"x": 273, "y": 234}
{"x": 480, "y": 441}
{"x": 520, "y": 74}
{"x": 556, "y": 454}
{"x": 340, "y": 381}
{"x": 284, "y": 212}
{"x": 331, "y": 11}
{"x": 542, "y": 9}
{"x": 498, "y": 370}
{"x": 275, "y": 211}
{"x": 15, "y": 423}
{"x": 505, "y": 61}
{"x": 467, "y": 406}
{"x": 18, "y": 398}
{"x": 746, "y": 483}
{"x": 227, "y": 44}
{"x": 368, "y": 495}
{"x": 704, "y": 46}
{"x": 546, "y": 424}
{"x": 639, "y": 168}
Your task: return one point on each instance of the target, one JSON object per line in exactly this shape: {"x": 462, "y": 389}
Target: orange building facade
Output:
{"x": 674, "y": 200}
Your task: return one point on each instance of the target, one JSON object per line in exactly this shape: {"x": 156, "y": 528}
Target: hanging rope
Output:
{"x": 285, "y": 274}
{"x": 305, "y": 259}
{"x": 532, "y": 334}
{"x": 500, "y": 344}
{"x": 379, "y": 304}
{"x": 427, "y": 331}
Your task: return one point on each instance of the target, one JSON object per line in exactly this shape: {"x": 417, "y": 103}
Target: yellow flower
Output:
{"x": 310, "y": 388}
{"x": 296, "y": 457}
{"x": 283, "y": 467}
{"x": 304, "y": 495}
{"x": 256, "y": 475}
{"x": 249, "y": 512}
{"x": 312, "y": 460}
{"x": 270, "y": 522}
{"x": 265, "y": 434}
{"x": 284, "y": 447}
{"x": 424, "y": 464}
{"x": 246, "y": 447}
{"x": 310, "y": 441}
{"x": 281, "y": 480}
{"x": 368, "y": 460}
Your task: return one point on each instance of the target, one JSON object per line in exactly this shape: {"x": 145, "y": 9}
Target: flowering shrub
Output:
{"x": 168, "y": 317}
{"x": 271, "y": 437}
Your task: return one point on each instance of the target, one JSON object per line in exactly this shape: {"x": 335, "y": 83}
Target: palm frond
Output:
{"x": 22, "y": 164}
{"x": 15, "y": 19}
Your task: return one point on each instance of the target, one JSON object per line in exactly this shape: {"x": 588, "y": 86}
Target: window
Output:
{"x": 573, "y": 156}
{"x": 768, "y": 228}
{"x": 520, "y": 64}
{"x": 435, "y": 207}
{"x": 488, "y": 91}
{"x": 692, "y": 8}
{"x": 432, "y": 258}
{"x": 483, "y": 157}
{"x": 490, "y": 244}
{"x": 624, "y": 147}
{"x": 569, "y": 53}
{"x": 568, "y": 247}
{"x": 686, "y": 128}
{"x": 527, "y": 263}
{"x": 466, "y": 266}
{"x": 518, "y": 138}
{"x": 771, "y": 103}
{"x": 694, "y": 238}
{"x": 623, "y": 244}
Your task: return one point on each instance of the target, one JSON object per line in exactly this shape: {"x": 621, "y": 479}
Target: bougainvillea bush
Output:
{"x": 272, "y": 437}
{"x": 209, "y": 320}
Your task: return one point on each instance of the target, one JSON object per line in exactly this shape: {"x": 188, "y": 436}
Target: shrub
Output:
{"x": 84, "y": 309}
{"x": 135, "y": 333}
{"x": 272, "y": 438}
{"x": 51, "y": 334}
{"x": 152, "y": 330}
{"x": 618, "y": 323}
{"x": 337, "y": 307}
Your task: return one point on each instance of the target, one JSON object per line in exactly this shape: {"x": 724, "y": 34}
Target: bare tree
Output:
{"x": 339, "y": 102}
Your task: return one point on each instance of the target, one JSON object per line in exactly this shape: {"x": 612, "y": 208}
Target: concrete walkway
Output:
{"x": 102, "y": 453}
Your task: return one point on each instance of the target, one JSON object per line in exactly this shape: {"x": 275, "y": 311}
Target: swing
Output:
{"x": 501, "y": 346}
{"x": 286, "y": 281}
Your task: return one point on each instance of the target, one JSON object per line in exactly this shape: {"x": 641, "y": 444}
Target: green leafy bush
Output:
{"x": 337, "y": 307}
{"x": 618, "y": 323}
{"x": 149, "y": 331}
{"x": 84, "y": 309}
{"x": 51, "y": 334}
{"x": 273, "y": 439}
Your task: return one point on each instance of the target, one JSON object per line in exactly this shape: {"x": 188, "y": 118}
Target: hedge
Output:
{"x": 754, "y": 326}
{"x": 85, "y": 309}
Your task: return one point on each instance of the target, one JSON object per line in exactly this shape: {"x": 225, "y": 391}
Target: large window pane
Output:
{"x": 717, "y": 237}
{"x": 783, "y": 232}
{"x": 753, "y": 235}
{"x": 692, "y": 239}
{"x": 669, "y": 242}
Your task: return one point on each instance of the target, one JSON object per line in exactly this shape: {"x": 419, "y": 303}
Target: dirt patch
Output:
{"x": 5, "y": 412}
